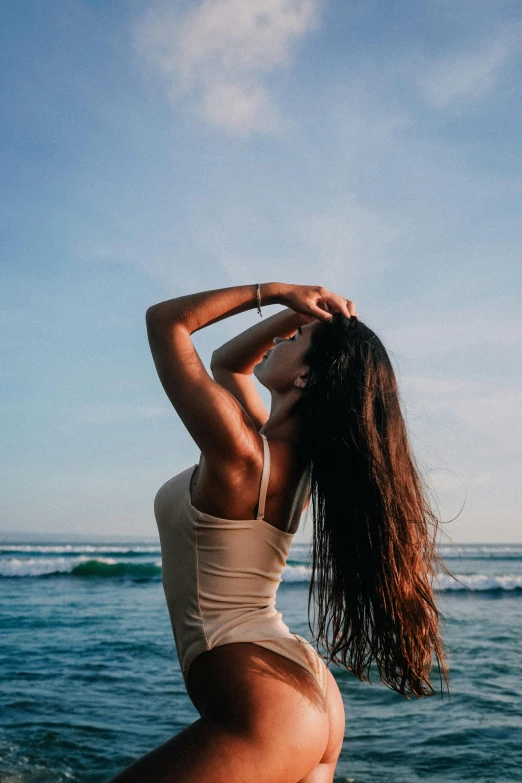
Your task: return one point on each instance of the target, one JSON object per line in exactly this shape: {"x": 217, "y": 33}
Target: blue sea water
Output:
{"x": 90, "y": 679}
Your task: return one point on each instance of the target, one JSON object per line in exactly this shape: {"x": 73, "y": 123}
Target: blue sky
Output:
{"x": 151, "y": 149}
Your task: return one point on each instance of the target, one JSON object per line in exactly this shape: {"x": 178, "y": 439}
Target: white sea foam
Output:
{"x": 298, "y": 573}
{"x": 77, "y": 549}
{"x": 478, "y": 582}
{"x": 41, "y": 566}
{"x": 481, "y": 552}
{"x": 442, "y": 583}
{"x": 465, "y": 551}
{"x": 44, "y": 566}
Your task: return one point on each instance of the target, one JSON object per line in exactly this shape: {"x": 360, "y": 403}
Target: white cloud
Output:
{"x": 240, "y": 107}
{"x": 467, "y": 438}
{"x": 429, "y": 333}
{"x": 336, "y": 243}
{"x": 220, "y": 51}
{"x": 464, "y": 76}
{"x": 494, "y": 417}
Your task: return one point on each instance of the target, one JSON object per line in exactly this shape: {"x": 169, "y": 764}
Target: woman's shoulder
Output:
{"x": 172, "y": 487}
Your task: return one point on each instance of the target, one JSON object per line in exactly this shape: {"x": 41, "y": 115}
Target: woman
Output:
{"x": 271, "y": 711}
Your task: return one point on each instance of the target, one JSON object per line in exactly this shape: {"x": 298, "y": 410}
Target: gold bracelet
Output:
{"x": 258, "y": 295}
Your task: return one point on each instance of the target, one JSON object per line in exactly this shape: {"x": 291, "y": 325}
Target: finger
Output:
{"x": 350, "y": 306}
{"x": 321, "y": 311}
{"x": 340, "y": 304}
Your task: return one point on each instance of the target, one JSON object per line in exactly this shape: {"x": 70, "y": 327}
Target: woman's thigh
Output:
{"x": 208, "y": 752}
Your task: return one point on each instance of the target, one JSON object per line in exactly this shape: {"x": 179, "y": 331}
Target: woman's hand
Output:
{"x": 316, "y": 302}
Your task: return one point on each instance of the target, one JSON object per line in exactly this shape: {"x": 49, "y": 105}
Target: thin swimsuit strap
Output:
{"x": 264, "y": 479}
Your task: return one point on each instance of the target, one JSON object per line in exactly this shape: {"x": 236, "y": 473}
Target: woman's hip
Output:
{"x": 250, "y": 688}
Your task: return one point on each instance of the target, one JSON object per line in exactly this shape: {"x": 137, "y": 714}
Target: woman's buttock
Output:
{"x": 255, "y": 691}
{"x": 246, "y": 685}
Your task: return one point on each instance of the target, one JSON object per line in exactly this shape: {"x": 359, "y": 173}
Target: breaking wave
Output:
{"x": 108, "y": 567}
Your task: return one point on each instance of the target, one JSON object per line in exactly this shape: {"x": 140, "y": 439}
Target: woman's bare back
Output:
{"x": 231, "y": 491}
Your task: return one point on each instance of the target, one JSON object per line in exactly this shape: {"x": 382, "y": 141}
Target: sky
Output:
{"x": 154, "y": 149}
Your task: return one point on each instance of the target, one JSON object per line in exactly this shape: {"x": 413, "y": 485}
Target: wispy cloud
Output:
{"x": 493, "y": 417}
{"x": 442, "y": 481}
{"x": 466, "y": 75}
{"x": 220, "y": 51}
{"x": 435, "y": 332}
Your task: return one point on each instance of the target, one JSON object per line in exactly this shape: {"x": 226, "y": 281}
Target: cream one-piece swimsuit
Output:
{"x": 221, "y": 576}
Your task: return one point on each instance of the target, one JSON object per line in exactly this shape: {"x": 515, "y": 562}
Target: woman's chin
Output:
{"x": 259, "y": 373}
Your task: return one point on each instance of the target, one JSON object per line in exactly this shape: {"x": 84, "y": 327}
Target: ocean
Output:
{"x": 90, "y": 679}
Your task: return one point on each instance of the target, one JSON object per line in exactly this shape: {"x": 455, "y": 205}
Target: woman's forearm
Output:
{"x": 195, "y": 311}
{"x": 242, "y": 352}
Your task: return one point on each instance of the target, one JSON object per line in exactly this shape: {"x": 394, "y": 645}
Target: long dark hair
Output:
{"x": 374, "y": 537}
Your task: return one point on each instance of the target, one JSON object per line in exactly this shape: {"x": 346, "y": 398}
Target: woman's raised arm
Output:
{"x": 242, "y": 352}
{"x": 232, "y": 364}
{"x": 218, "y": 423}
{"x": 195, "y": 311}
